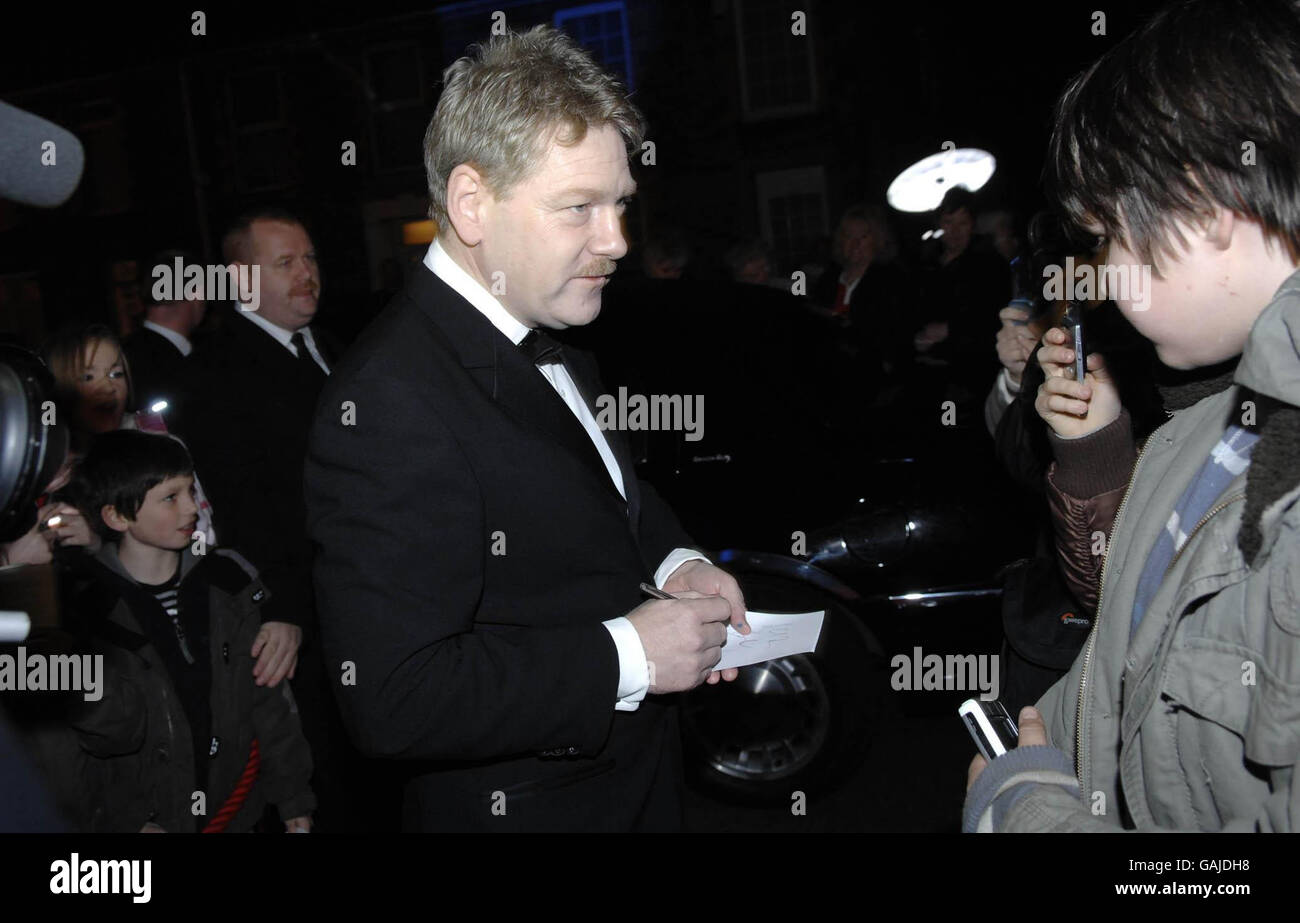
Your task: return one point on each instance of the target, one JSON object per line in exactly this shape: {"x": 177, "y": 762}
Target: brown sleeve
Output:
{"x": 1084, "y": 488}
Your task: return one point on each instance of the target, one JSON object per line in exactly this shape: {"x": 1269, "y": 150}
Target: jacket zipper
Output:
{"x": 1196, "y": 528}
{"x": 1087, "y": 657}
{"x": 1096, "y": 620}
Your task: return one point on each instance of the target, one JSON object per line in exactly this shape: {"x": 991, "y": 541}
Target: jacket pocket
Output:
{"x": 550, "y": 785}
{"x": 1238, "y": 689}
{"x": 1284, "y": 581}
{"x": 1211, "y": 682}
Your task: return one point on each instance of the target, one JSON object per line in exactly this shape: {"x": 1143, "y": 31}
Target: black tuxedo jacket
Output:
{"x": 246, "y": 424}
{"x": 469, "y": 544}
{"x": 158, "y": 370}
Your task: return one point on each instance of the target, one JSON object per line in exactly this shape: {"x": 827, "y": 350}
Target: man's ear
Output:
{"x": 1219, "y": 231}
{"x": 238, "y": 271}
{"x": 113, "y": 519}
{"x": 468, "y": 201}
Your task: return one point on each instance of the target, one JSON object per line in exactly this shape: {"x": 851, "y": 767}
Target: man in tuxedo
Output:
{"x": 480, "y": 539}
{"x": 159, "y": 351}
{"x": 257, "y": 379}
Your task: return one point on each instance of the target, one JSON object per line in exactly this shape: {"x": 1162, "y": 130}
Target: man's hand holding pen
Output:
{"x": 683, "y": 634}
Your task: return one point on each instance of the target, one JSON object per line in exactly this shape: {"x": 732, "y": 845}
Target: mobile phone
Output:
{"x": 1074, "y": 321}
{"x": 991, "y": 727}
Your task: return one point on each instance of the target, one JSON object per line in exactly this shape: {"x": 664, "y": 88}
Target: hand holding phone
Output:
{"x": 1074, "y": 321}
{"x": 1073, "y": 406}
{"x": 990, "y": 726}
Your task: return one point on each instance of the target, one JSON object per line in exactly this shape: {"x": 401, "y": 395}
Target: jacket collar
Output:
{"x": 1270, "y": 363}
{"x": 509, "y": 377}
{"x": 107, "y": 556}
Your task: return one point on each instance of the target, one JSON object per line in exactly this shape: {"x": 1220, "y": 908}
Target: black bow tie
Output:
{"x": 541, "y": 348}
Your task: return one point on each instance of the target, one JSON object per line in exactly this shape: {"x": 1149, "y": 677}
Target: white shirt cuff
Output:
{"x": 1008, "y": 389}
{"x": 633, "y": 671}
{"x": 676, "y": 558}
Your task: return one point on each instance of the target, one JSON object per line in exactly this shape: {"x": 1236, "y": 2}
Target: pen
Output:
{"x": 654, "y": 591}
{"x": 660, "y": 594}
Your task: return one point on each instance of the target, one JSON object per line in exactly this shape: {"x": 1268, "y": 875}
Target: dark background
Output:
{"x": 758, "y": 132}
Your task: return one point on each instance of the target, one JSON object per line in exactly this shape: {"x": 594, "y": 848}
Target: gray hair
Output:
{"x": 503, "y": 103}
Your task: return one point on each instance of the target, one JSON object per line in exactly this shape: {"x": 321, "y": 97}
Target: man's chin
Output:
{"x": 584, "y": 312}
{"x": 305, "y": 309}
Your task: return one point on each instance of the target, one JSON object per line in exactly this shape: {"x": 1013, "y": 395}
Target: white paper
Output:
{"x": 772, "y": 635}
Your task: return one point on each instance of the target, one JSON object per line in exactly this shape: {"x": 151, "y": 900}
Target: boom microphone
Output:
{"x": 40, "y": 163}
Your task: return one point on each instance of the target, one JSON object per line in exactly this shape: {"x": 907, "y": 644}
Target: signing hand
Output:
{"x": 1033, "y": 733}
{"x": 277, "y": 644}
{"x": 709, "y": 580}
{"x": 298, "y": 824}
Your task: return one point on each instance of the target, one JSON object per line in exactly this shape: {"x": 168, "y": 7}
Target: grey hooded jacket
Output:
{"x": 1193, "y": 723}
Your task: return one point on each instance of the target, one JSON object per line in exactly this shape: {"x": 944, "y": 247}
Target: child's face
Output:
{"x": 168, "y": 515}
{"x": 1194, "y": 311}
{"x": 102, "y": 388}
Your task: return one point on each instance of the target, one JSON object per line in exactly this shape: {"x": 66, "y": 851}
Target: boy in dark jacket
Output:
{"x": 183, "y": 739}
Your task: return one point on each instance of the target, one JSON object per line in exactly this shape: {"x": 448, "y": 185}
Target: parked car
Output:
{"x": 892, "y": 522}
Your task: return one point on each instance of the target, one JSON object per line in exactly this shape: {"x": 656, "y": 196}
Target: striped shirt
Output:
{"x": 1229, "y": 458}
{"x": 169, "y": 597}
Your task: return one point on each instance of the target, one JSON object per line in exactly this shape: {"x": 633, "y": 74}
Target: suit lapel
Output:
{"x": 261, "y": 349}
{"x": 506, "y": 374}
{"x": 582, "y": 368}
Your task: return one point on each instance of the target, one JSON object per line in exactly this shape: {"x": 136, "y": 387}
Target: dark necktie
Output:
{"x": 305, "y": 361}
{"x": 541, "y": 348}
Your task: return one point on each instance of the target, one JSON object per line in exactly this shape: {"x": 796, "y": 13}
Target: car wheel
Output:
{"x": 798, "y": 723}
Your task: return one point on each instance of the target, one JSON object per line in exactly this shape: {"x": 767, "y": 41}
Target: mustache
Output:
{"x": 603, "y": 267}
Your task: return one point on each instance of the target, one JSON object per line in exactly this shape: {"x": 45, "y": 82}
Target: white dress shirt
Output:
{"x": 633, "y": 670}
{"x": 850, "y": 286}
{"x": 284, "y": 337}
{"x": 171, "y": 336}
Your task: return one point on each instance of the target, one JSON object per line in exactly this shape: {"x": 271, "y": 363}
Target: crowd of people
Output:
{"x": 293, "y": 556}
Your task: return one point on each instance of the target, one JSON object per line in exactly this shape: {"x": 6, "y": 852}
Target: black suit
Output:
{"x": 247, "y": 426}
{"x": 158, "y": 370}
{"x": 488, "y": 672}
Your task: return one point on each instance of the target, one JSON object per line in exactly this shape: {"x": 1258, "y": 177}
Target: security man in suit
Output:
{"x": 257, "y": 379}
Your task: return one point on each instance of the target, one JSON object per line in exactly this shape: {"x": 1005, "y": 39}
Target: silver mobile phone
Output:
{"x": 990, "y": 726}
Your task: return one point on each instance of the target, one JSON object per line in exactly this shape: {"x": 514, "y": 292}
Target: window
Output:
{"x": 776, "y": 66}
{"x": 399, "y": 112}
{"x": 106, "y": 180}
{"x": 601, "y": 28}
{"x": 255, "y": 100}
{"x": 792, "y": 207}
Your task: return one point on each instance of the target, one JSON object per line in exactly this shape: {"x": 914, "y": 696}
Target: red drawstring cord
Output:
{"x": 237, "y": 798}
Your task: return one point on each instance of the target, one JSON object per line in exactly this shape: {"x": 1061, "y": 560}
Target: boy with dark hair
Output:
{"x": 1183, "y": 711}
{"x": 184, "y": 739}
